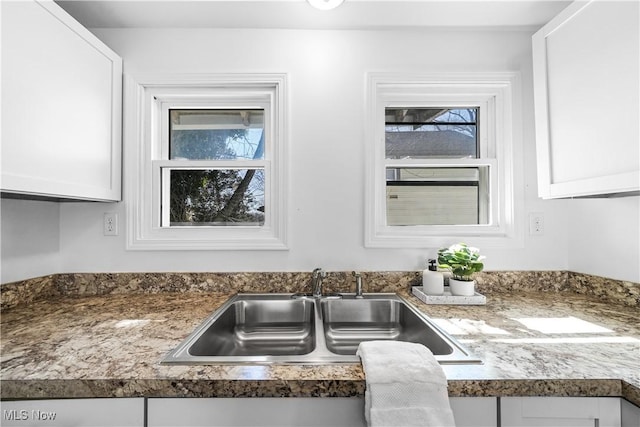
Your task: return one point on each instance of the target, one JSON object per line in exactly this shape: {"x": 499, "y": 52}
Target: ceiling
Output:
{"x": 297, "y": 14}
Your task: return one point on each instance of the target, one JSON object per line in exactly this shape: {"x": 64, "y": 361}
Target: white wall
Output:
{"x": 326, "y": 81}
{"x": 30, "y": 236}
{"x": 327, "y": 86}
{"x": 604, "y": 237}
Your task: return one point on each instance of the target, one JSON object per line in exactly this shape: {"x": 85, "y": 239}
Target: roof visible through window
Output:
{"x": 420, "y": 133}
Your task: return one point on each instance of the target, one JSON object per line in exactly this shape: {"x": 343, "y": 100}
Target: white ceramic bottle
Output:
{"x": 432, "y": 280}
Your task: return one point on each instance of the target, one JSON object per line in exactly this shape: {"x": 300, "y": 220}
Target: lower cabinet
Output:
{"x": 475, "y": 411}
{"x": 256, "y": 411}
{"x": 630, "y": 414}
{"x": 560, "y": 411}
{"x": 312, "y": 411}
{"x": 295, "y": 411}
{"x": 126, "y": 412}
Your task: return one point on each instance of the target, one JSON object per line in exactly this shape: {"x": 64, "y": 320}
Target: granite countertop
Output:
{"x": 111, "y": 346}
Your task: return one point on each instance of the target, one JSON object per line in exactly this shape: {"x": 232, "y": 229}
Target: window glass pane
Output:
{"x": 437, "y": 196}
{"x": 216, "y": 197}
{"x": 421, "y": 133}
{"x": 431, "y": 115}
{"x": 216, "y": 134}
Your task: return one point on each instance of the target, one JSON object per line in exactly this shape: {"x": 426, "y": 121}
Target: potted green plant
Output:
{"x": 463, "y": 261}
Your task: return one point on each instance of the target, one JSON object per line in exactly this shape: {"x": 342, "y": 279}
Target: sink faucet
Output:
{"x": 316, "y": 281}
{"x": 358, "y": 278}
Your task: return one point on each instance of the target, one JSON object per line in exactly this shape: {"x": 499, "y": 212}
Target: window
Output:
{"x": 209, "y": 172}
{"x": 219, "y": 195}
{"x": 441, "y": 160}
{"x": 434, "y": 195}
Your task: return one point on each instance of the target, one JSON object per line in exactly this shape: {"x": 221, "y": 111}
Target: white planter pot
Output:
{"x": 462, "y": 288}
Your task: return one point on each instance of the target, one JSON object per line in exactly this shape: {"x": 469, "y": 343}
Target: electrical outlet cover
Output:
{"x": 110, "y": 224}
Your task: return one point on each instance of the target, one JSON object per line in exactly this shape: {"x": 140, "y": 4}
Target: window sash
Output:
{"x": 456, "y": 180}
{"x": 162, "y": 150}
{"x": 451, "y": 127}
{"x": 485, "y": 136}
{"x": 162, "y": 178}
{"x": 485, "y": 220}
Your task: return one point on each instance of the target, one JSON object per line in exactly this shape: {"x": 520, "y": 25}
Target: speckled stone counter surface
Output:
{"x": 107, "y": 340}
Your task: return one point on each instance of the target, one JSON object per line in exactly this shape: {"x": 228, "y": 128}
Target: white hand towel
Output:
{"x": 405, "y": 386}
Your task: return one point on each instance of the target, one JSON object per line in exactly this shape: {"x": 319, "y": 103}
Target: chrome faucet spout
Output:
{"x": 358, "y": 278}
{"x": 316, "y": 280}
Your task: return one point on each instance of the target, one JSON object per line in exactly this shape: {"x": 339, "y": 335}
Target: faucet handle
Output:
{"x": 316, "y": 282}
{"x": 318, "y": 273}
{"x": 358, "y": 276}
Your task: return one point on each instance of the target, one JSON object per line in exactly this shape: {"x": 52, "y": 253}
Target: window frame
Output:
{"x": 499, "y": 145}
{"x": 150, "y": 98}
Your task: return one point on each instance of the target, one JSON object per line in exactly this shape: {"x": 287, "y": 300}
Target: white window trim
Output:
{"x": 501, "y": 151}
{"x": 146, "y": 97}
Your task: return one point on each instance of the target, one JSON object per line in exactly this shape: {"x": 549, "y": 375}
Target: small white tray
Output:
{"x": 447, "y": 298}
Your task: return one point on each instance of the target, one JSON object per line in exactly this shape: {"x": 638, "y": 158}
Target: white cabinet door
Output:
{"x": 475, "y": 411}
{"x": 630, "y": 414}
{"x": 74, "y": 412}
{"x": 560, "y": 411}
{"x": 256, "y": 412}
{"x": 587, "y": 100}
{"x": 61, "y": 106}
{"x": 295, "y": 412}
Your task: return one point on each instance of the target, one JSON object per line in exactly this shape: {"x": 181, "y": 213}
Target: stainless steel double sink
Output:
{"x": 300, "y": 329}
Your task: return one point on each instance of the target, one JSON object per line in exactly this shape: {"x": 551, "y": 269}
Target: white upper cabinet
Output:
{"x": 586, "y": 90}
{"x": 61, "y": 106}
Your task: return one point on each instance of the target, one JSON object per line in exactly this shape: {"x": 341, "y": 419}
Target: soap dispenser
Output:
{"x": 432, "y": 280}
